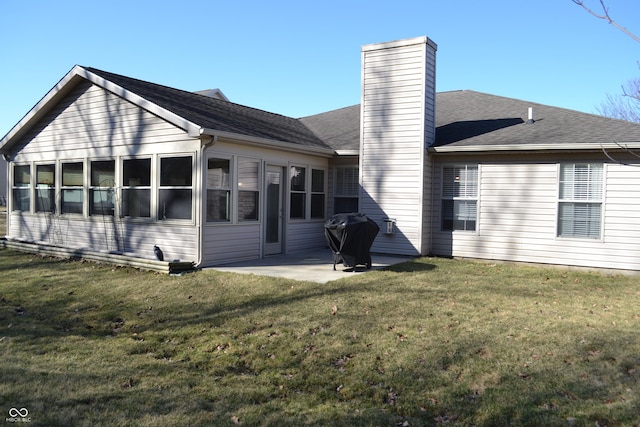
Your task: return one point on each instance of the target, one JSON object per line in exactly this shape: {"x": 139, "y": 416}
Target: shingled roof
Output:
{"x": 468, "y": 119}
{"x": 465, "y": 120}
{"x": 218, "y": 114}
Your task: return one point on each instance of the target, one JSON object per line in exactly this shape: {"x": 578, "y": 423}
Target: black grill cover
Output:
{"x": 350, "y": 237}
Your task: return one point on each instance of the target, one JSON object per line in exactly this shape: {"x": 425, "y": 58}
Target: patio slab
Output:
{"x": 315, "y": 266}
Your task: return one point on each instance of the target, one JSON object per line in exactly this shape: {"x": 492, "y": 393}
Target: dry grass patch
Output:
{"x": 429, "y": 342}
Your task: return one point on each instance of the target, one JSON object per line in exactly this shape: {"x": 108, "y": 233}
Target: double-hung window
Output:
{"x": 346, "y": 188}
{"x": 21, "y": 200}
{"x": 102, "y": 189}
{"x": 580, "y": 200}
{"x": 46, "y": 188}
{"x": 298, "y": 199}
{"x": 459, "y": 197}
{"x": 136, "y": 188}
{"x": 218, "y": 190}
{"x": 72, "y": 190}
{"x": 176, "y": 192}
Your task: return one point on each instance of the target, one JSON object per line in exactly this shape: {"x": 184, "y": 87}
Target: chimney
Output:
{"x": 397, "y": 125}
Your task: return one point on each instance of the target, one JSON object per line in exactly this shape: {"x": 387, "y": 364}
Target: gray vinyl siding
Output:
{"x": 108, "y": 235}
{"x": 91, "y": 123}
{"x": 517, "y": 217}
{"x": 228, "y": 243}
{"x": 397, "y": 124}
{"x": 305, "y": 235}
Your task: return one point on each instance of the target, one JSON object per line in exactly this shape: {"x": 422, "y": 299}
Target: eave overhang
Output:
{"x": 66, "y": 84}
{"x": 267, "y": 143}
{"x": 504, "y": 148}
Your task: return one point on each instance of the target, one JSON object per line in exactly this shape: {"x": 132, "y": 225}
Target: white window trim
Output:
{"x": 157, "y": 187}
{"x": 306, "y": 192}
{"x": 601, "y": 201}
{"x": 56, "y": 177}
{"x": 116, "y": 185}
{"x": 325, "y": 177}
{"x": 31, "y": 187}
{"x": 232, "y": 178}
{"x": 335, "y": 194}
{"x": 235, "y": 188}
{"x": 476, "y": 198}
{"x": 152, "y": 184}
{"x": 60, "y": 187}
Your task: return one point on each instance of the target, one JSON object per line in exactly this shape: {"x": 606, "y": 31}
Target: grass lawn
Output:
{"x": 425, "y": 343}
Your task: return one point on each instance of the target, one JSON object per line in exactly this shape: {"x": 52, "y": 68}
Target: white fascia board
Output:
{"x": 536, "y": 147}
{"x": 191, "y": 128}
{"x": 65, "y": 85}
{"x": 40, "y": 109}
{"x": 269, "y": 143}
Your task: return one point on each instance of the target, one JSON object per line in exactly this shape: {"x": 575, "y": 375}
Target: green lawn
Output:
{"x": 425, "y": 343}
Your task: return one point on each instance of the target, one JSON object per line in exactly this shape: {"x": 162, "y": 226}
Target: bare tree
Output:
{"x": 605, "y": 15}
{"x": 625, "y": 106}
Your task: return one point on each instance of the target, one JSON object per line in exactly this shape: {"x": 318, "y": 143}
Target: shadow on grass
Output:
{"x": 409, "y": 361}
{"x": 414, "y": 266}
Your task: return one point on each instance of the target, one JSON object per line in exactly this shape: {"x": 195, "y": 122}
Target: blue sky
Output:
{"x": 299, "y": 58}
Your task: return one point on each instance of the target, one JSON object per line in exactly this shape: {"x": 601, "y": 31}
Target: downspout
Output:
{"x": 7, "y": 158}
{"x": 206, "y": 142}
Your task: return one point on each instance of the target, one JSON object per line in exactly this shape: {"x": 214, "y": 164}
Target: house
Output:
{"x": 111, "y": 164}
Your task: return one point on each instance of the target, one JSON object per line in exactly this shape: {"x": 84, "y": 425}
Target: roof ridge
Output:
{"x": 190, "y": 93}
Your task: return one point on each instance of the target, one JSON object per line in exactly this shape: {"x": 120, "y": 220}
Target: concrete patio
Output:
{"x": 315, "y": 266}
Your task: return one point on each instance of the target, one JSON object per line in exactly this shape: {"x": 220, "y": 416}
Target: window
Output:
{"x": 175, "y": 192}
{"x": 317, "y": 193}
{"x": 298, "y": 193}
{"x": 101, "y": 191}
{"x": 21, "y": 200}
{"x": 136, "y": 188}
{"x": 248, "y": 189}
{"x": 218, "y": 190}
{"x": 45, "y": 188}
{"x": 72, "y": 194}
{"x": 459, "y": 197}
{"x": 580, "y": 200}
{"x": 346, "y": 190}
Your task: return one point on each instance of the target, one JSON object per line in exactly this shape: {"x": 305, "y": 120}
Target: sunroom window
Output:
{"x": 102, "y": 192}
{"x": 136, "y": 188}
{"x": 45, "y": 188}
{"x": 21, "y": 198}
{"x": 218, "y": 190}
{"x": 580, "y": 200}
{"x": 298, "y": 199}
{"x": 248, "y": 189}
{"x": 459, "y": 197}
{"x": 317, "y": 193}
{"x": 72, "y": 191}
{"x": 175, "y": 192}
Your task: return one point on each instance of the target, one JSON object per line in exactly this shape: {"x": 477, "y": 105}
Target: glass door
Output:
{"x": 274, "y": 214}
